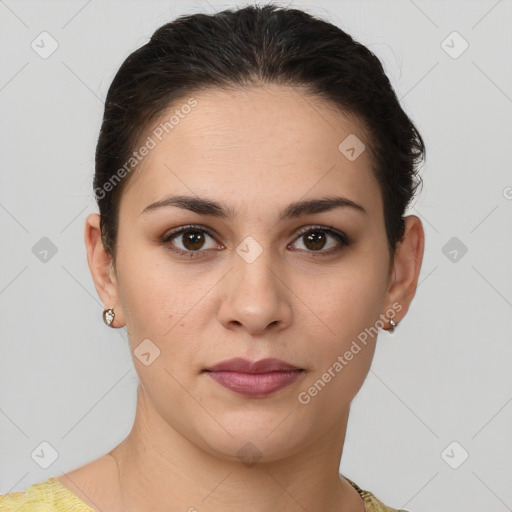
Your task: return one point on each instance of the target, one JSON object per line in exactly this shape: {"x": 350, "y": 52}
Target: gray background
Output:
{"x": 442, "y": 377}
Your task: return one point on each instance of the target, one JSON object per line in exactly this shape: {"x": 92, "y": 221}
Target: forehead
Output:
{"x": 252, "y": 144}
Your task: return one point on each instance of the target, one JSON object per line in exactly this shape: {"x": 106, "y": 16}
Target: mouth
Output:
{"x": 255, "y": 379}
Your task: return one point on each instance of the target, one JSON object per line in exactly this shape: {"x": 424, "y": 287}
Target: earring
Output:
{"x": 108, "y": 316}
{"x": 393, "y": 325}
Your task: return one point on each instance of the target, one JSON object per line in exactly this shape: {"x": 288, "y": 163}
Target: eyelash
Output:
{"x": 337, "y": 235}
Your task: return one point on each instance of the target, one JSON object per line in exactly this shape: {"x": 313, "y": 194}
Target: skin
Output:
{"x": 255, "y": 150}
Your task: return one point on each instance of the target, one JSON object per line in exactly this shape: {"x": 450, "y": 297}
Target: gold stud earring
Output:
{"x": 108, "y": 316}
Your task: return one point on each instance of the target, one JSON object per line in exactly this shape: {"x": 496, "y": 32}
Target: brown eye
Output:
{"x": 192, "y": 239}
{"x": 315, "y": 239}
{"x": 189, "y": 240}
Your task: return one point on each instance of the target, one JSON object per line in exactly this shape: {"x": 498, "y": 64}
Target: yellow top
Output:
{"x": 53, "y": 496}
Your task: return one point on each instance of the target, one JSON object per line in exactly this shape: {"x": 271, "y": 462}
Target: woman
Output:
{"x": 252, "y": 172}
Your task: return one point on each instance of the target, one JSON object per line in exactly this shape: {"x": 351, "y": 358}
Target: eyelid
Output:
{"x": 341, "y": 237}
{"x": 324, "y": 227}
{"x": 169, "y": 234}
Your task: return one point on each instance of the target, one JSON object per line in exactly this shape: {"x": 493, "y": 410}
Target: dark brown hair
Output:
{"x": 256, "y": 45}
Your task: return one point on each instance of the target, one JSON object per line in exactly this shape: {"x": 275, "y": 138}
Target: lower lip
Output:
{"x": 256, "y": 384}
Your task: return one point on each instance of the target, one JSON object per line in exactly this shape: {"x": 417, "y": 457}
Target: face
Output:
{"x": 269, "y": 279}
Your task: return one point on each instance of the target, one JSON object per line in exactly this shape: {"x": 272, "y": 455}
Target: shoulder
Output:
{"x": 372, "y": 503}
{"x": 47, "y": 496}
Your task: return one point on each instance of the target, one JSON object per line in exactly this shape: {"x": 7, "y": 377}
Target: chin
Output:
{"x": 250, "y": 448}
{"x": 251, "y": 437}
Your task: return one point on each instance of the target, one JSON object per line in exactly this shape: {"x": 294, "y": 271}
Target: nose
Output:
{"x": 256, "y": 296}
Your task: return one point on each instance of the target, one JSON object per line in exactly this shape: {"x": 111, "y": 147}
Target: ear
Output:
{"x": 406, "y": 267}
{"x": 102, "y": 269}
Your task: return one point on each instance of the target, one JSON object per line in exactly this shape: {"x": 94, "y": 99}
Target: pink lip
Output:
{"x": 254, "y": 378}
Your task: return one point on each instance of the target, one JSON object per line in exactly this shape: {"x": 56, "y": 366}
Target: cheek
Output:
{"x": 351, "y": 301}
{"x": 152, "y": 293}
{"x": 327, "y": 395}
{"x": 345, "y": 345}
{"x": 165, "y": 303}
{"x": 347, "y": 310}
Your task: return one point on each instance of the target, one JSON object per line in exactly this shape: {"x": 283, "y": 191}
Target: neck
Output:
{"x": 161, "y": 470}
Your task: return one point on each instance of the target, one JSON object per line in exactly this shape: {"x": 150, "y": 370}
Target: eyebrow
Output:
{"x": 204, "y": 206}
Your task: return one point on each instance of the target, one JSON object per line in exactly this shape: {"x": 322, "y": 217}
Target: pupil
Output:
{"x": 318, "y": 240}
{"x": 194, "y": 240}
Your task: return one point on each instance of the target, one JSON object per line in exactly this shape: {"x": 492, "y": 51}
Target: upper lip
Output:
{"x": 241, "y": 365}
